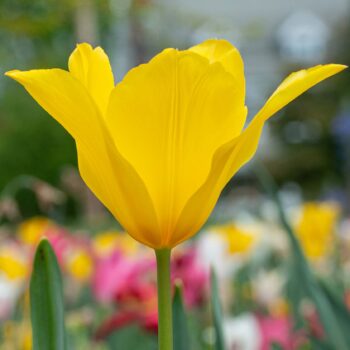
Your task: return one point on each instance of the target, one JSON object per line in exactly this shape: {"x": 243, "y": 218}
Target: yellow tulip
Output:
{"x": 158, "y": 148}
{"x": 31, "y": 230}
{"x": 13, "y": 265}
{"x": 239, "y": 241}
{"x": 316, "y": 228}
{"x": 107, "y": 242}
{"x": 79, "y": 264}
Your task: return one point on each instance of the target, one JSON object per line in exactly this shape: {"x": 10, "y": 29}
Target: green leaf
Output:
{"x": 46, "y": 301}
{"x": 340, "y": 310}
{"x": 181, "y": 335}
{"x": 302, "y": 282}
{"x": 217, "y": 313}
{"x": 276, "y": 346}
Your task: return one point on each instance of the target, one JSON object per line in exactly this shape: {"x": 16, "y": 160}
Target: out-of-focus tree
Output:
{"x": 309, "y": 147}
{"x": 39, "y": 34}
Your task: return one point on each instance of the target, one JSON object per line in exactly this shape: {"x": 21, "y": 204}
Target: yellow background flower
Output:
{"x": 13, "y": 263}
{"x": 237, "y": 239}
{"x": 316, "y": 228}
{"x": 79, "y": 264}
{"x": 105, "y": 243}
{"x": 31, "y": 230}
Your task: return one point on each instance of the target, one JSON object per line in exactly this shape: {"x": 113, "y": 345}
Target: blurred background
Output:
{"x": 305, "y": 149}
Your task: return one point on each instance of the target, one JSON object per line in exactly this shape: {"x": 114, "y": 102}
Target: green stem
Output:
{"x": 165, "y": 318}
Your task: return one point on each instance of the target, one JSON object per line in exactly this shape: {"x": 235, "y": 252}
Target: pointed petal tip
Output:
{"x": 340, "y": 67}
{"x": 12, "y": 73}
{"x": 20, "y": 76}
{"x": 83, "y": 44}
{"x": 88, "y": 46}
{"x": 217, "y": 41}
{"x": 16, "y": 75}
{"x": 336, "y": 67}
{"x": 333, "y": 68}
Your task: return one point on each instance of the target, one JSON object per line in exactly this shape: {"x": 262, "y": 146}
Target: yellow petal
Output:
{"x": 294, "y": 85}
{"x": 168, "y": 117}
{"x": 92, "y": 68}
{"x": 108, "y": 175}
{"x": 233, "y": 155}
{"x": 226, "y": 54}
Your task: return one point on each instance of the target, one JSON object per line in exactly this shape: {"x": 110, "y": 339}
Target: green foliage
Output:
{"x": 217, "y": 312}
{"x": 132, "y": 338}
{"x": 276, "y": 346}
{"x": 31, "y": 142}
{"x": 36, "y": 34}
{"x": 306, "y": 152}
{"x": 181, "y": 336}
{"x": 46, "y": 301}
{"x": 303, "y": 285}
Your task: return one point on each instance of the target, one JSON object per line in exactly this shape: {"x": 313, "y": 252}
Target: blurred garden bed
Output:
{"x": 110, "y": 279}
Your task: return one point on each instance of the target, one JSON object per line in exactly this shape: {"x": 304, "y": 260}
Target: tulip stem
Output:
{"x": 165, "y": 318}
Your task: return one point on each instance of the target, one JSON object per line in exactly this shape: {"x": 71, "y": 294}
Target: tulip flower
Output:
{"x": 316, "y": 228}
{"x": 158, "y": 148}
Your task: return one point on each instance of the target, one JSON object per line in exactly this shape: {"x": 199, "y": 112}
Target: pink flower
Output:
{"x": 59, "y": 240}
{"x": 130, "y": 282}
{"x": 275, "y": 330}
{"x": 118, "y": 274}
{"x": 194, "y": 277}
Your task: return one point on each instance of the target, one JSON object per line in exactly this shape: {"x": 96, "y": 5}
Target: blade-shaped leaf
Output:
{"x": 217, "y": 312}
{"x": 276, "y": 346}
{"x": 46, "y": 301}
{"x": 181, "y": 335}
{"x": 302, "y": 281}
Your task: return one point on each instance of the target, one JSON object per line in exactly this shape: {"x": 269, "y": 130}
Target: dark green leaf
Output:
{"x": 302, "y": 282}
{"x": 276, "y": 346}
{"x": 217, "y": 313}
{"x": 181, "y": 335}
{"x": 46, "y": 301}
